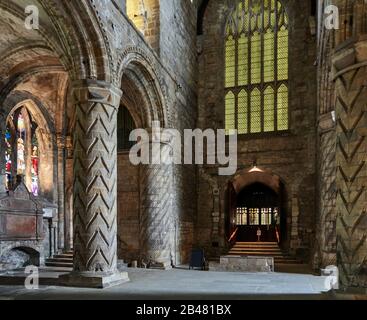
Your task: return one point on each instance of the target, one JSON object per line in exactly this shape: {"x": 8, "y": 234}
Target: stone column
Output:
{"x": 294, "y": 241}
{"x": 326, "y": 219}
{"x": 351, "y": 178}
{"x": 95, "y": 189}
{"x": 68, "y": 204}
{"x": 61, "y": 190}
{"x": 157, "y": 221}
{"x": 2, "y": 153}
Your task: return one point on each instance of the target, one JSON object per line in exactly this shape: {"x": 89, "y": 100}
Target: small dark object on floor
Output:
{"x": 197, "y": 259}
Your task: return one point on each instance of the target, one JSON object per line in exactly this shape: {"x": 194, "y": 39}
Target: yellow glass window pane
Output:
{"x": 273, "y": 18}
{"x": 255, "y": 111}
{"x": 239, "y": 18}
{"x": 230, "y": 62}
{"x": 269, "y": 56}
{"x": 245, "y": 16}
{"x": 231, "y": 23}
{"x": 254, "y": 20}
{"x": 230, "y": 111}
{"x": 282, "y": 108}
{"x": 256, "y": 58}
{"x": 282, "y": 16}
{"x": 242, "y": 112}
{"x": 269, "y": 123}
{"x": 283, "y": 54}
{"x": 266, "y": 14}
{"x": 242, "y": 60}
{"x": 269, "y": 16}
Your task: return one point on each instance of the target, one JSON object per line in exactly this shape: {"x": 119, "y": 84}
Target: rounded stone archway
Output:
{"x": 148, "y": 209}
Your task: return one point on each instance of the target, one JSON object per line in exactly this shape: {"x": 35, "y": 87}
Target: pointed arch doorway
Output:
{"x": 256, "y": 208}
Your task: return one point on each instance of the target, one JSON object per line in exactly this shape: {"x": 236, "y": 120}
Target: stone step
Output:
{"x": 259, "y": 243}
{"x": 62, "y": 256}
{"x": 63, "y": 260}
{"x": 263, "y": 249}
{"x": 260, "y": 253}
{"x": 249, "y": 254}
{"x": 59, "y": 264}
{"x": 256, "y": 249}
{"x": 253, "y": 253}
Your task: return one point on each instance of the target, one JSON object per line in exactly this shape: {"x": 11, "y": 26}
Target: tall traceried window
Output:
{"x": 22, "y": 150}
{"x": 256, "y": 67}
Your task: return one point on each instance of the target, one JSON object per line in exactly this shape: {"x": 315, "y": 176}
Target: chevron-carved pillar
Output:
{"x": 351, "y": 156}
{"x": 95, "y": 191}
{"x": 157, "y": 220}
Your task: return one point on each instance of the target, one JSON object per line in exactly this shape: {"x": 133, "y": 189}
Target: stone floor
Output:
{"x": 185, "y": 284}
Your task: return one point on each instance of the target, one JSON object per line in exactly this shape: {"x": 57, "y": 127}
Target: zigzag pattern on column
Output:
{"x": 351, "y": 177}
{"x": 156, "y": 223}
{"x": 95, "y": 190}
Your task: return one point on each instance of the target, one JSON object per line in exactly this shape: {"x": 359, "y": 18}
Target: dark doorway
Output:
{"x": 258, "y": 214}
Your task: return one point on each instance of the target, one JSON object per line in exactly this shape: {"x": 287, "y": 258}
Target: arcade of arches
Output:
{"x": 73, "y": 89}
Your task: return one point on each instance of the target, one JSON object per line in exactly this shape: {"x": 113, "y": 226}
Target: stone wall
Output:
{"x": 178, "y": 53}
{"x": 146, "y": 17}
{"x": 128, "y": 209}
{"x": 290, "y": 155}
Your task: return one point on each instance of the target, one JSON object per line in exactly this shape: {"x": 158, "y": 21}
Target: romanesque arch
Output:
{"x": 137, "y": 68}
{"x": 145, "y": 100}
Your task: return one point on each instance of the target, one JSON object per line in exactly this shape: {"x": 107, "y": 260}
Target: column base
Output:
{"x": 93, "y": 280}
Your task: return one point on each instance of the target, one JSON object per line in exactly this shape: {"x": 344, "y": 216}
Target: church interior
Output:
{"x": 77, "y": 77}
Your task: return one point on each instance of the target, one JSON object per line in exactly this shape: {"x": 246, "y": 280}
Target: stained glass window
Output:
{"x": 8, "y": 160}
{"x": 266, "y": 216}
{"x": 35, "y": 166}
{"x": 21, "y": 135}
{"x": 241, "y": 217}
{"x": 22, "y": 150}
{"x": 256, "y": 67}
{"x": 256, "y": 216}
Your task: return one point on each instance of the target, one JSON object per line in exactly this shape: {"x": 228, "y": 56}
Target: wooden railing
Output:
{"x": 233, "y": 235}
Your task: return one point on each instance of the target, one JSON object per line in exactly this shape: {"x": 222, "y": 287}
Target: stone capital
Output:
{"x": 326, "y": 122}
{"x": 349, "y": 55}
{"x": 69, "y": 142}
{"x": 61, "y": 141}
{"x": 89, "y": 90}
